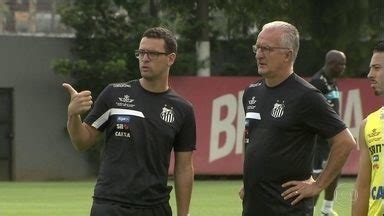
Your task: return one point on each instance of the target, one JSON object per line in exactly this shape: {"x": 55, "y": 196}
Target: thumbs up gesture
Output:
{"x": 80, "y": 102}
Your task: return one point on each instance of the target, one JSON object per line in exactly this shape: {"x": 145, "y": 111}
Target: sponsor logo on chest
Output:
{"x": 125, "y": 101}
{"x": 376, "y": 152}
{"x": 251, "y": 104}
{"x": 246, "y": 131}
{"x": 377, "y": 192}
{"x": 121, "y": 85}
{"x": 122, "y": 134}
{"x": 122, "y": 126}
{"x": 374, "y": 136}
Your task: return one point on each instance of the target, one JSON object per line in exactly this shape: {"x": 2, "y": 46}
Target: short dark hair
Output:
{"x": 379, "y": 47}
{"x": 166, "y": 35}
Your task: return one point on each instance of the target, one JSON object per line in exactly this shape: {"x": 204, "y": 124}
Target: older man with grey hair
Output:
{"x": 280, "y": 126}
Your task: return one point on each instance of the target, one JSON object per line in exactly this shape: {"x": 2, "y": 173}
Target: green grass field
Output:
{"x": 210, "y": 198}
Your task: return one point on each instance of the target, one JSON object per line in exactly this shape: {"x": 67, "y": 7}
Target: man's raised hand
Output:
{"x": 80, "y": 102}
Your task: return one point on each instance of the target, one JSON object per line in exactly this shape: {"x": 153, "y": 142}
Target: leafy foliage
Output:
{"x": 108, "y": 31}
{"x": 105, "y": 40}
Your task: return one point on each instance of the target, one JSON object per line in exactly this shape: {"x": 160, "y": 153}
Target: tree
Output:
{"x": 203, "y": 44}
{"x": 106, "y": 37}
{"x": 345, "y": 25}
{"x": 108, "y": 31}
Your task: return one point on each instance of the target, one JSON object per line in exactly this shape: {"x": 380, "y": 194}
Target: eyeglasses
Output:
{"x": 266, "y": 49}
{"x": 150, "y": 54}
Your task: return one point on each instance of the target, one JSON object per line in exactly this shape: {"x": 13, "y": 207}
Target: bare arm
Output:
{"x": 184, "y": 175}
{"x": 342, "y": 145}
{"x": 363, "y": 182}
{"x": 82, "y": 135}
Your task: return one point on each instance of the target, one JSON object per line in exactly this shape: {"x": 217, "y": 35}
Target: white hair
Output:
{"x": 290, "y": 37}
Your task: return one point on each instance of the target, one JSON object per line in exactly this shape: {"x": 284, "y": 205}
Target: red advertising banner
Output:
{"x": 220, "y": 118}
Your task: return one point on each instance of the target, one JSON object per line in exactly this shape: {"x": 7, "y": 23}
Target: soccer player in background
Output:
{"x": 143, "y": 121}
{"x": 369, "y": 189}
{"x": 283, "y": 115}
{"x": 325, "y": 81}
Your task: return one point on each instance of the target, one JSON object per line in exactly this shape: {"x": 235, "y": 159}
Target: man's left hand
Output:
{"x": 300, "y": 190}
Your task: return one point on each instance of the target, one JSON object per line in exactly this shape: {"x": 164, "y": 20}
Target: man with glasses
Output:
{"x": 369, "y": 195}
{"x": 325, "y": 81}
{"x": 143, "y": 121}
{"x": 283, "y": 114}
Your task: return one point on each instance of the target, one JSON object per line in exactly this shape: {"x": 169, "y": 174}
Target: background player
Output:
{"x": 325, "y": 81}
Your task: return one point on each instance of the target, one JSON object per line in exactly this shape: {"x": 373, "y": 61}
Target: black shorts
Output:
{"x": 322, "y": 149}
{"x": 101, "y": 208}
